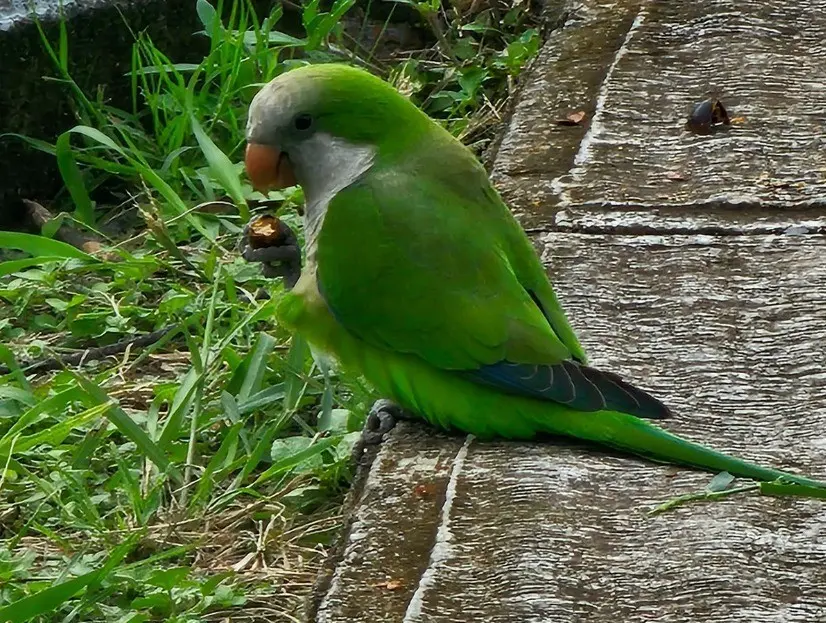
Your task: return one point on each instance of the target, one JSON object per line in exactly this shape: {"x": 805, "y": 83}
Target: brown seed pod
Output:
{"x": 707, "y": 116}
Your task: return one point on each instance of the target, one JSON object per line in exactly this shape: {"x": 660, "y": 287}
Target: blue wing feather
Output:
{"x": 580, "y": 387}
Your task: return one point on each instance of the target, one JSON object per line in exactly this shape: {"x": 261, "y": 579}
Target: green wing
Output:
{"x": 407, "y": 265}
{"x": 424, "y": 265}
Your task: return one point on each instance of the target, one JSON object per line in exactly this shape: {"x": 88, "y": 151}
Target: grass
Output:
{"x": 200, "y": 477}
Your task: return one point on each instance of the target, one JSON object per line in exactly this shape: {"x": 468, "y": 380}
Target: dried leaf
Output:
{"x": 91, "y": 246}
{"x": 707, "y": 116}
{"x": 423, "y": 489}
{"x": 244, "y": 562}
{"x": 574, "y": 118}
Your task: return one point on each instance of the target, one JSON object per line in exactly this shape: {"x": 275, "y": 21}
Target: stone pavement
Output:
{"x": 692, "y": 265}
{"x": 16, "y": 11}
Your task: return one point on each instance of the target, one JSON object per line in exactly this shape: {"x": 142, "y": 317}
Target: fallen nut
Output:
{"x": 266, "y": 231}
{"x": 706, "y": 116}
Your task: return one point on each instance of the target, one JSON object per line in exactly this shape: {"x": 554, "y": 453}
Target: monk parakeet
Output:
{"x": 418, "y": 278}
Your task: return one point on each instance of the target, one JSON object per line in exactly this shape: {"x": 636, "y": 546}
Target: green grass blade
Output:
{"x": 207, "y": 15}
{"x": 23, "y": 396}
{"x": 7, "y": 357}
{"x": 225, "y": 454}
{"x": 265, "y": 312}
{"x": 149, "y": 174}
{"x": 46, "y": 601}
{"x": 129, "y": 484}
{"x": 179, "y": 67}
{"x": 52, "y": 435}
{"x": 788, "y": 489}
{"x": 33, "y": 142}
{"x": 325, "y": 415}
{"x": 63, "y": 45}
{"x": 125, "y": 424}
{"x": 86, "y": 107}
{"x": 295, "y": 364}
{"x": 181, "y": 405}
{"x": 287, "y": 463}
{"x": 263, "y": 399}
{"x": 82, "y": 455}
{"x": 261, "y": 448}
{"x": 230, "y": 407}
{"x": 256, "y": 366}
{"x": 73, "y": 179}
{"x": 174, "y": 200}
{"x": 58, "y": 403}
{"x": 100, "y": 137}
{"x": 40, "y": 246}
{"x": 114, "y": 561}
{"x": 222, "y": 168}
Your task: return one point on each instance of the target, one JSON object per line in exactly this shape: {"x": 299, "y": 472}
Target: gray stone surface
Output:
{"x": 709, "y": 292}
{"x": 731, "y": 330}
{"x": 15, "y": 11}
{"x": 637, "y": 68}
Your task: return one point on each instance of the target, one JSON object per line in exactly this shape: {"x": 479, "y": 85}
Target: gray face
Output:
{"x": 281, "y": 117}
{"x": 280, "y": 114}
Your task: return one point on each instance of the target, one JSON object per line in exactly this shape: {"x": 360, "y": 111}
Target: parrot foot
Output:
{"x": 280, "y": 260}
{"x": 383, "y": 417}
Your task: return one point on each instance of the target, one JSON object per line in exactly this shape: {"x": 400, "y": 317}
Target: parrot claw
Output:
{"x": 383, "y": 417}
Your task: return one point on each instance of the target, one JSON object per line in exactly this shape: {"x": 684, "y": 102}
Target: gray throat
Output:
{"x": 326, "y": 165}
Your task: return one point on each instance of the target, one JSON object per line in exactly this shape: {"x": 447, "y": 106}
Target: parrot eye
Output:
{"x": 303, "y": 122}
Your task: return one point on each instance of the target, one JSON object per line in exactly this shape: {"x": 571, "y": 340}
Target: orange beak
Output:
{"x": 268, "y": 168}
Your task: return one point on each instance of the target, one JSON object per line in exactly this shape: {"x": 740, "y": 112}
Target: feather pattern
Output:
{"x": 580, "y": 387}
{"x": 462, "y": 295}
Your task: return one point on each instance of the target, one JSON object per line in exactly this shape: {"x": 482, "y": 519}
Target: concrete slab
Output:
{"x": 637, "y": 68}
{"x": 706, "y": 290}
{"x": 731, "y": 329}
{"x": 16, "y": 11}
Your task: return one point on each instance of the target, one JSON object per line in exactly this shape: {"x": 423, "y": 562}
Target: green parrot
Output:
{"x": 418, "y": 278}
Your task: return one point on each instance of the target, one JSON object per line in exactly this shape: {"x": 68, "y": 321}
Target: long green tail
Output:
{"x": 451, "y": 402}
{"x": 630, "y": 434}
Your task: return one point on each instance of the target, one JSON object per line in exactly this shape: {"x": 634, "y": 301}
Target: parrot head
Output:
{"x": 320, "y": 125}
